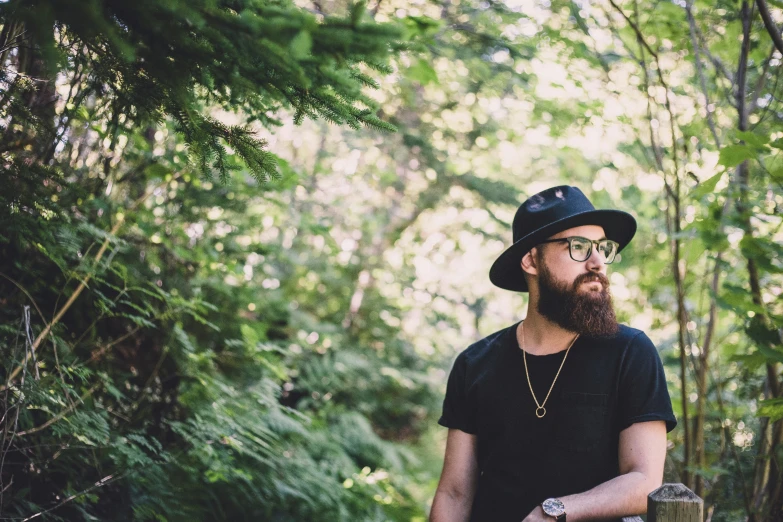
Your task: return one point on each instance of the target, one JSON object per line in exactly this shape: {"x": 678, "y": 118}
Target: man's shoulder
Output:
{"x": 625, "y": 336}
{"x": 486, "y": 347}
{"x": 627, "y": 343}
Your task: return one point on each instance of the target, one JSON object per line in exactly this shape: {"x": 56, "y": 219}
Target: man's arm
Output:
{"x": 642, "y": 452}
{"x": 457, "y": 487}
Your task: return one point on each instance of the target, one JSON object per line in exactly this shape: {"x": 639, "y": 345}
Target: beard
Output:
{"x": 587, "y": 313}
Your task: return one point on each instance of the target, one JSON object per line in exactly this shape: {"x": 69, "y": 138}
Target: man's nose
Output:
{"x": 596, "y": 261}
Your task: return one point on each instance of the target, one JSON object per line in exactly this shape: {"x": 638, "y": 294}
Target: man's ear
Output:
{"x": 529, "y": 263}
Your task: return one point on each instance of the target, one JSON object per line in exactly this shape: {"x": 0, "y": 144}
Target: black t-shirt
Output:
{"x": 605, "y": 386}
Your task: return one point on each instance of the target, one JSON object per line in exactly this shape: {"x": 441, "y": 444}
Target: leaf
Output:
{"x": 357, "y": 12}
{"x": 420, "y": 29}
{"x": 738, "y": 300}
{"x": 81, "y": 114}
{"x": 422, "y": 72}
{"x": 279, "y": 370}
{"x": 113, "y": 391}
{"x": 751, "y": 362}
{"x": 733, "y": 155}
{"x": 763, "y": 251}
{"x": 771, "y": 354}
{"x": 156, "y": 170}
{"x": 772, "y": 408}
{"x": 301, "y": 45}
{"x": 85, "y": 440}
{"x": 250, "y": 336}
{"x": 706, "y": 187}
{"x": 753, "y": 139}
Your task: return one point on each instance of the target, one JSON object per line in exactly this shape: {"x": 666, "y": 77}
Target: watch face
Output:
{"x": 553, "y": 507}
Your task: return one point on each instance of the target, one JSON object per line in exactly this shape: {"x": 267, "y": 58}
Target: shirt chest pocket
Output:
{"x": 581, "y": 421}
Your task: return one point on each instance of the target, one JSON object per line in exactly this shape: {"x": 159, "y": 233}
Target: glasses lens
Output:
{"x": 608, "y": 249}
{"x": 580, "y": 248}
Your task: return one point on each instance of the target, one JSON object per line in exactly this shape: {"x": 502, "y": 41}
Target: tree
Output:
{"x": 274, "y": 342}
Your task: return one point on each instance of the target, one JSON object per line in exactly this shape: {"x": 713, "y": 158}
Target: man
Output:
{"x": 564, "y": 414}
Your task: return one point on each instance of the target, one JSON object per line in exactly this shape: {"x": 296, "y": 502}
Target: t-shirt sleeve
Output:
{"x": 457, "y": 412}
{"x": 643, "y": 395}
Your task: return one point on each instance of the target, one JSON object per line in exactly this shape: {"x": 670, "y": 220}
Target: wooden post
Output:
{"x": 674, "y": 503}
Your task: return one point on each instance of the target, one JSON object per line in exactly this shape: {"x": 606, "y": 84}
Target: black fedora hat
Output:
{"x": 547, "y": 213}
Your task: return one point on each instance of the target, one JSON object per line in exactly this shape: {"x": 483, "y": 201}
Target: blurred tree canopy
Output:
{"x": 242, "y": 241}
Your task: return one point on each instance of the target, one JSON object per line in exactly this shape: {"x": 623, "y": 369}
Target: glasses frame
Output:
{"x": 592, "y": 242}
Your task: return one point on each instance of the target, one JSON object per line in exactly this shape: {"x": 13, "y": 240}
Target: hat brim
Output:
{"x": 506, "y": 271}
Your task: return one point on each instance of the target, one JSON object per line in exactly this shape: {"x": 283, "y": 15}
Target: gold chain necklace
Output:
{"x": 540, "y": 410}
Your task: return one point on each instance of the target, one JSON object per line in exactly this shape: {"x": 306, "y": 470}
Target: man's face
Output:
{"x": 575, "y": 295}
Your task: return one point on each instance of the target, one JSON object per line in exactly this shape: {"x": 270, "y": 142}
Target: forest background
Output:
{"x": 242, "y": 241}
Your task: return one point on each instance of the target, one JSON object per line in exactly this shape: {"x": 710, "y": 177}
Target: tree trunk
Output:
{"x": 678, "y": 270}
{"x": 767, "y": 472}
{"x": 40, "y": 99}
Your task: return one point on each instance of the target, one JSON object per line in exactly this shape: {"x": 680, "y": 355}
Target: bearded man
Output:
{"x": 565, "y": 413}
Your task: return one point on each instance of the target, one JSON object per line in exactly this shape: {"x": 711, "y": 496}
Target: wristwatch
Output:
{"x": 554, "y": 508}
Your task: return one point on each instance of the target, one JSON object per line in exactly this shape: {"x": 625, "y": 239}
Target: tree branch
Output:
{"x": 667, "y": 101}
{"x": 772, "y": 29}
{"x": 59, "y": 416}
{"x": 700, "y": 70}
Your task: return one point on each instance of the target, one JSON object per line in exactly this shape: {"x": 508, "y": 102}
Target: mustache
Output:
{"x": 592, "y": 276}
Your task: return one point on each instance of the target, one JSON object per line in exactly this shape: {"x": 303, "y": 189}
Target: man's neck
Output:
{"x": 542, "y": 336}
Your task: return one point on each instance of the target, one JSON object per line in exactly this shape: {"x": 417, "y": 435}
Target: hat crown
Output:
{"x": 548, "y": 206}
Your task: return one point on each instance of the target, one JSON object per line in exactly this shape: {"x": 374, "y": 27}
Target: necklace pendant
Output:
{"x": 540, "y": 411}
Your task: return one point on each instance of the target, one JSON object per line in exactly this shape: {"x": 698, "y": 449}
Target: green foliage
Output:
{"x": 263, "y": 314}
{"x": 772, "y": 408}
{"x": 167, "y": 59}
{"x": 159, "y": 395}
{"x": 733, "y": 155}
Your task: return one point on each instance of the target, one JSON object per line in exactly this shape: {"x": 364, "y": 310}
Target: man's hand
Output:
{"x": 538, "y": 515}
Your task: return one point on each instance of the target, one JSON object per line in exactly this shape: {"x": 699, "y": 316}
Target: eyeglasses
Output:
{"x": 581, "y": 248}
